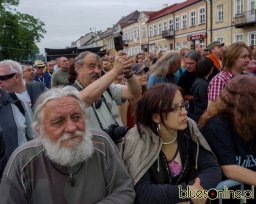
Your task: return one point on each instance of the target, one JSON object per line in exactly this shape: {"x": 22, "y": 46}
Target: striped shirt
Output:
{"x": 218, "y": 83}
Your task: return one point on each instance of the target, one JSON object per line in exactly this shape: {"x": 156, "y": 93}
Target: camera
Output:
{"x": 116, "y": 132}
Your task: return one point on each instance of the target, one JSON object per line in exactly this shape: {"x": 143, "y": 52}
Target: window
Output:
{"x": 126, "y": 36}
{"x": 177, "y": 23}
{"x": 160, "y": 28}
{"x": 220, "y": 39}
{"x": 183, "y": 21}
{"x": 135, "y": 34}
{"x": 252, "y": 38}
{"x": 171, "y": 26}
{"x": 150, "y": 31}
{"x": 184, "y": 44}
{"x": 219, "y": 14}
{"x": 192, "y": 18}
{"x": 165, "y": 48}
{"x": 177, "y": 46}
{"x": 238, "y": 37}
{"x": 131, "y": 35}
{"x": 144, "y": 33}
{"x": 239, "y": 7}
{"x": 155, "y": 30}
{"x": 165, "y": 25}
{"x": 202, "y": 17}
{"x": 252, "y": 7}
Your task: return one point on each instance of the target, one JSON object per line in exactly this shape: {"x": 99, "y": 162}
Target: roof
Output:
{"x": 107, "y": 32}
{"x": 129, "y": 19}
{"x": 171, "y": 9}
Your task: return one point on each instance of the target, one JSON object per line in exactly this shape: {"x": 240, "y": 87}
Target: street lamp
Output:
{"x": 95, "y": 37}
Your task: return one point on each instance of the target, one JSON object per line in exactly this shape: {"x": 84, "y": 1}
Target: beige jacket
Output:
{"x": 140, "y": 152}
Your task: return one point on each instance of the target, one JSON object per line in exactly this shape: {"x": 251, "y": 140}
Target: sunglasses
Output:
{"x": 6, "y": 77}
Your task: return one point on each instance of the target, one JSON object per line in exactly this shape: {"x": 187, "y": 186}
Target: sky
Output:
{"x": 68, "y": 20}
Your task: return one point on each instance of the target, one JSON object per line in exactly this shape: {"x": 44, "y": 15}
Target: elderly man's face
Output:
{"x": 90, "y": 71}
{"x": 8, "y": 80}
{"x": 63, "y": 118}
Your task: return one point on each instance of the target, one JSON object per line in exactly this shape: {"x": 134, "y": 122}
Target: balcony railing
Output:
{"x": 168, "y": 34}
{"x": 245, "y": 19}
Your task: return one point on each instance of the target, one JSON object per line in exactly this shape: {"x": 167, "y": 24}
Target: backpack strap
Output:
{"x": 17, "y": 102}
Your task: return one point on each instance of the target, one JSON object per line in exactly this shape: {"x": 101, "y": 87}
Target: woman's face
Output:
{"x": 177, "y": 119}
{"x": 143, "y": 78}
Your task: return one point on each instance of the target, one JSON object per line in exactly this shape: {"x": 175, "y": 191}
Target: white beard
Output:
{"x": 71, "y": 156}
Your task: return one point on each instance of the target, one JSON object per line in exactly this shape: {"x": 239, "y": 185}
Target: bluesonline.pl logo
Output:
{"x": 214, "y": 194}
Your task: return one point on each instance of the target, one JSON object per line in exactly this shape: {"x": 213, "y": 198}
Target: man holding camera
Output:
{"x": 99, "y": 92}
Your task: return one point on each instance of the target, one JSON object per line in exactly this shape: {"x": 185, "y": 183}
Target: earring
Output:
{"x": 158, "y": 128}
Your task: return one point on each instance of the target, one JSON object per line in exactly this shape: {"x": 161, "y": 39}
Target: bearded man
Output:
{"x": 67, "y": 163}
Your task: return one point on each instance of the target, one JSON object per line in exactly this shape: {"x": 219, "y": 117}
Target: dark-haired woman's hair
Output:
{"x": 204, "y": 67}
{"x": 157, "y": 99}
{"x": 238, "y": 102}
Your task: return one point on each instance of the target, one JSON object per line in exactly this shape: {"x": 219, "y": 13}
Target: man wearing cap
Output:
{"x": 216, "y": 50}
{"x": 42, "y": 76}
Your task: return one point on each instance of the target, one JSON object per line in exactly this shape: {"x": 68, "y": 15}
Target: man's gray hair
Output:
{"x": 162, "y": 66}
{"x": 14, "y": 67}
{"x": 52, "y": 94}
{"x": 79, "y": 60}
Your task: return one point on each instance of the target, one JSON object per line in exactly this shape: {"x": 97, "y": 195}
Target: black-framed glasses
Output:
{"x": 6, "y": 77}
{"x": 179, "y": 108}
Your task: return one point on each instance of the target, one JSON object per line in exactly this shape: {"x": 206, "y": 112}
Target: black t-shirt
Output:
{"x": 230, "y": 149}
{"x": 186, "y": 82}
{"x": 228, "y": 146}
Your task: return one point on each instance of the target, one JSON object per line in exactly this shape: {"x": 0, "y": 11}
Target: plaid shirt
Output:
{"x": 218, "y": 83}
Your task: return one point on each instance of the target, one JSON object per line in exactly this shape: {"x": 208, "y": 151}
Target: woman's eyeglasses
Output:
{"x": 6, "y": 77}
{"x": 179, "y": 108}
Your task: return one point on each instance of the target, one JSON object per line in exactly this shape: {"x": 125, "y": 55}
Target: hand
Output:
{"x": 127, "y": 66}
{"x": 197, "y": 186}
{"x": 123, "y": 65}
{"x": 188, "y": 97}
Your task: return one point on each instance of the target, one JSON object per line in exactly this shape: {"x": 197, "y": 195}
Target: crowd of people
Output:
{"x": 128, "y": 129}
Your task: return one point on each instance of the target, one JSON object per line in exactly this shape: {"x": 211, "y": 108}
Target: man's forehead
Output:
{"x": 92, "y": 58}
{"x": 27, "y": 67}
{"x": 63, "y": 59}
{"x": 4, "y": 69}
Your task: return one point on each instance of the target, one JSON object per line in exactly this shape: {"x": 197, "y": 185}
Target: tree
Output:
{"x": 20, "y": 32}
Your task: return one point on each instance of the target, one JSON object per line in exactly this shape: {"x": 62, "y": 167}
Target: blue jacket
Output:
{"x": 46, "y": 79}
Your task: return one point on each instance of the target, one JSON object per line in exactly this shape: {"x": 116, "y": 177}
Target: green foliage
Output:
{"x": 19, "y": 33}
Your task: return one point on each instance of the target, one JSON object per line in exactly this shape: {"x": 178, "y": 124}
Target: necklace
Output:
{"x": 71, "y": 179}
{"x": 172, "y": 141}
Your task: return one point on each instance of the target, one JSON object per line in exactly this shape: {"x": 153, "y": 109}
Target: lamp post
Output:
{"x": 95, "y": 37}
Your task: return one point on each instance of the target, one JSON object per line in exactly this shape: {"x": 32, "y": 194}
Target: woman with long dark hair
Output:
{"x": 230, "y": 129}
{"x": 165, "y": 152}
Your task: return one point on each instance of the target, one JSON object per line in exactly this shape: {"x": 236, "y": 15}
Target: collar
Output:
{"x": 78, "y": 83}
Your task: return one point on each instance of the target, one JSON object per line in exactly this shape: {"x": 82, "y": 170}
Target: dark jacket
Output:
{"x": 199, "y": 91}
{"x": 147, "y": 165}
{"x": 46, "y": 79}
{"x": 3, "y": 156}
{"x": 34, "y": 90}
